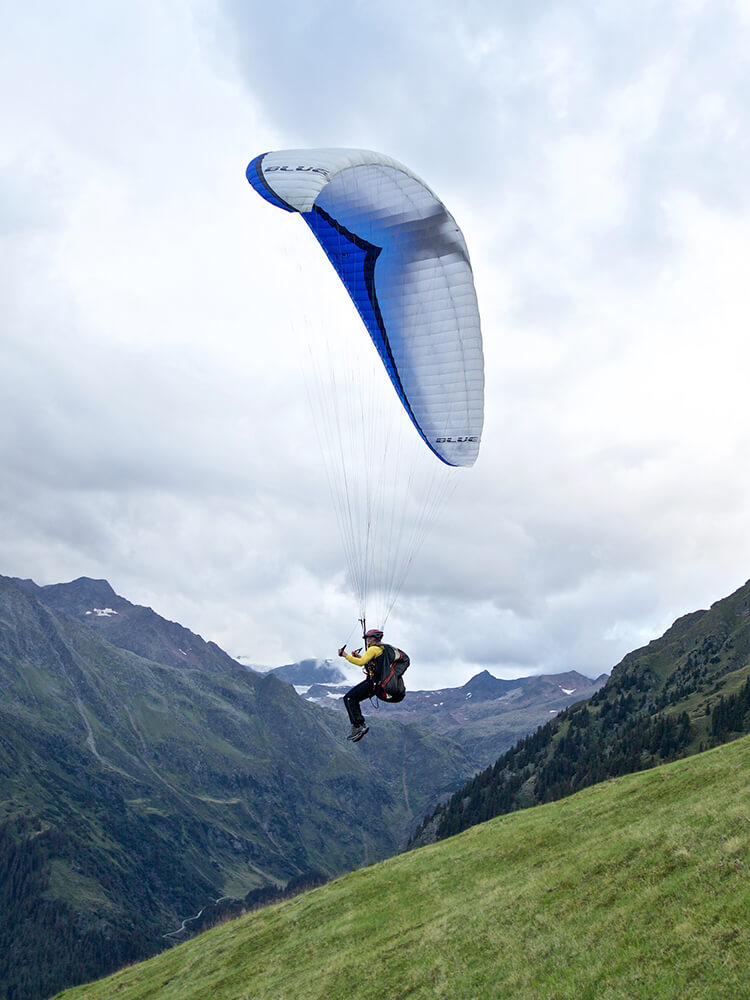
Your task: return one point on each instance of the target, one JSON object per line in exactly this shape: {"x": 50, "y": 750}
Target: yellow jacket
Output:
{"x": 367, "y": 657}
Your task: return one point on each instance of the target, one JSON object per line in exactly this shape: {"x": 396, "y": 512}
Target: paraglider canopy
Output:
{"x": 405, "y": 264}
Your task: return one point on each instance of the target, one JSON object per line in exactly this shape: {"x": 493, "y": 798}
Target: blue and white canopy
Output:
{"x": 405, "y": 265}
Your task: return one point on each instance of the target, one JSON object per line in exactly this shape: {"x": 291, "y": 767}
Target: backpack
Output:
{"x": 390, "y": 685}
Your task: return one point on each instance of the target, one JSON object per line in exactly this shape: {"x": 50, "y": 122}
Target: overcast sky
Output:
{"x": 152, "y": 428}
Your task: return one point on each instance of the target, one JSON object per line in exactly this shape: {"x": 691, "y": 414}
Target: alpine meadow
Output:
{"x": 636, "y": 887}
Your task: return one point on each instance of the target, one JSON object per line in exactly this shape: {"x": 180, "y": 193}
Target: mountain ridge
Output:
{"x": 134, "y": 627}
{"x": 681, "y": 693}
{"x": 486, "y": 715}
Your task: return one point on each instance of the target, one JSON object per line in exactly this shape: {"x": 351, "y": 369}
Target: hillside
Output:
{"x": 637, "y": 887}
{"x": 680, "y": 694}
{"x": 145, "y": 774}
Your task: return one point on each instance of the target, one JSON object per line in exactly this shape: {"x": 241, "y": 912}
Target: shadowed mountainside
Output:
{"x": 144, "y": 773}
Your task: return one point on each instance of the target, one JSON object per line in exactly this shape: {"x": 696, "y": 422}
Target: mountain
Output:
{"x": 144, "y": 774}
{"x": 680, "y": 694}
{"x": 638, "y": 887}
{"x": 308, "y": 672}
{"x": 130, "y": 626}
{"x": 486, "y": 715}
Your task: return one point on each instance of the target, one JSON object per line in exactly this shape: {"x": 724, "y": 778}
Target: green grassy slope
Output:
{"x": 636, "y": 887}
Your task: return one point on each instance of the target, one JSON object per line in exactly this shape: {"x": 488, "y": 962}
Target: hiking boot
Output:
{"x": 358, "y": 731}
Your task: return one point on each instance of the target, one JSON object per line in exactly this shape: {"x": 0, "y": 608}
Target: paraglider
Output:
{"x": 405, "y": 264}
{"x": 406, "y": 267}
{"x": 384, "y": 666}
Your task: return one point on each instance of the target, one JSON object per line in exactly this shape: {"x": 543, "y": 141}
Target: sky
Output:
{"x": 153, "y": 421}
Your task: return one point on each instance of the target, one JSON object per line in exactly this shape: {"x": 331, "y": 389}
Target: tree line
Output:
{"x": 44, "y": 944}
{"x": 568, "y": 753}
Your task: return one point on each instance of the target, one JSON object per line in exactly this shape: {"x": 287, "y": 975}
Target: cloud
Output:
{"x": 157, "y": 315}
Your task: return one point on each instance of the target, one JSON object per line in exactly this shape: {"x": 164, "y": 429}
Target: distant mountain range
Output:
{"x": 308, "y": 672}
{"x": 485, "y": 716}
{"x": 679, "y": 695}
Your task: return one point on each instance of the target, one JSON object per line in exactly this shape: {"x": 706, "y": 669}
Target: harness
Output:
{"x": 391, "y": 665}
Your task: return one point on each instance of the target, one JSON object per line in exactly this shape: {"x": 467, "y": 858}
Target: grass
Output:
{"x": 84, "y": 893}
{"x": 635, "y": 888}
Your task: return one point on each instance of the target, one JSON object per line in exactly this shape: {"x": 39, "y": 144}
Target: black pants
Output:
{"x": 365, "y": 689}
